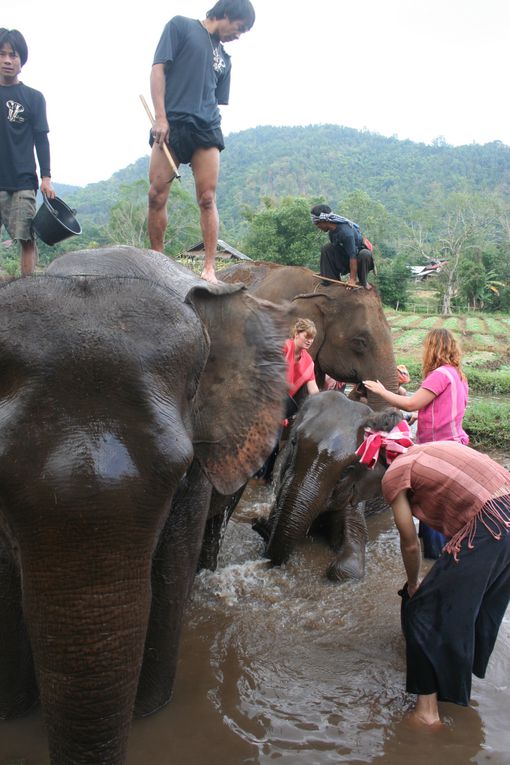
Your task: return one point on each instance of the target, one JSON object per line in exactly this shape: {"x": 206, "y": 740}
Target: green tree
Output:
{"x": 282, "y": 232}
{"x": 127, "y": 223}
{"x": 371, "y": 216}
{"x": 393, "y": 279}
{"x": 477, "y": 286}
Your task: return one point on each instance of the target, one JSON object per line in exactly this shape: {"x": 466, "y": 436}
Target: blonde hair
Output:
{"x": 440, "y": 347}
{"x": 303, "y": 325}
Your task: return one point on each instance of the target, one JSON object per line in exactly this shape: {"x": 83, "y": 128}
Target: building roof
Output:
{"x": 222, "y": 247}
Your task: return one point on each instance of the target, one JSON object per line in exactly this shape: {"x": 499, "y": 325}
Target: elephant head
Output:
{"x": 128, "y": 387}
{"x": 353, "y": 341}
{"x": 320, "y": 482}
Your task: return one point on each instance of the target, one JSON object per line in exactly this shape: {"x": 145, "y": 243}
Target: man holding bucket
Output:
{"x": 23, "y": 126}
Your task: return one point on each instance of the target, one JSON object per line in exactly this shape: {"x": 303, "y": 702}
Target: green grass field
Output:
{"x": 484, "y": 340}
{"x": 486, "y": 360}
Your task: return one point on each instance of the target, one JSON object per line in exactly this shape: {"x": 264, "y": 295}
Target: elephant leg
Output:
{"x": 348, "y": 534}
{"x": 173, "y": 569}
{"x": 18, "y": 687}
{"x": 220, "y": 511}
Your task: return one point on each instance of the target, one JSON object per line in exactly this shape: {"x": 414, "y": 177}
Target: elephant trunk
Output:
{"x": 390, "y": 381}
{"x": 87, "y": 623}
{"x": 299, "y": 502}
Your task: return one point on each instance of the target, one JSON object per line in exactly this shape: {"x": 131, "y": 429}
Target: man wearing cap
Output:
{"x": 23, "y": 126}
{"x": 347, "y": 251}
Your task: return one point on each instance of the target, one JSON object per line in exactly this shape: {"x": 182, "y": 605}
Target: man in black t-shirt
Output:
{"x": 347, "y": 252}
{"x": 190, "y": 77}
{"x": 23, "y": 126}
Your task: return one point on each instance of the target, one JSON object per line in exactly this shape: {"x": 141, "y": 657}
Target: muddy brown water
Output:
{"x": 280, "y": 665}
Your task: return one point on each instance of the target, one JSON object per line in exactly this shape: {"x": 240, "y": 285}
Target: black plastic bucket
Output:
{"x": 54, "y": 221}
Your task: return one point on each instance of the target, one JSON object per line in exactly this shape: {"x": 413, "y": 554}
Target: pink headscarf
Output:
{"x": 397, "y": 441}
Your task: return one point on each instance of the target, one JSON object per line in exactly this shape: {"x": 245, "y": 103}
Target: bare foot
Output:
{"x": 368, "y": 286}
{"x": 430, "y": 722}
{"x": 209, "y": 275}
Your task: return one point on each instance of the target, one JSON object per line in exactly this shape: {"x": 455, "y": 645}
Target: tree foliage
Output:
{"x": 393, "y": 278}
{"x": 414, "y": 201}
{"x": 284, "y": 233}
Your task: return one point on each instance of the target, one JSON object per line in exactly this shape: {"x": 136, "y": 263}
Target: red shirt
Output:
{"x": 298, "y": 372}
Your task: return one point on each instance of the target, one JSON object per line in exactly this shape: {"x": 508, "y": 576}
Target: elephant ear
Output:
{"x": 238, "y": 406}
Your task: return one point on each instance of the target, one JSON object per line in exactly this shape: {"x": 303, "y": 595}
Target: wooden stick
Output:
{"x": 337, "y": 281}
{"x": 165, "y": 147}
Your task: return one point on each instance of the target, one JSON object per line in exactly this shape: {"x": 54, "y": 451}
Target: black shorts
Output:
{"x": 186, "y": 138}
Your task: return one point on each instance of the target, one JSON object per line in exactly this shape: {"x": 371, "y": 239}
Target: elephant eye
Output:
{"x": 359, "y": 344}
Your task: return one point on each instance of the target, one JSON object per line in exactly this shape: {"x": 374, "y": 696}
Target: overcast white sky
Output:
{"x": 415, "y": 69}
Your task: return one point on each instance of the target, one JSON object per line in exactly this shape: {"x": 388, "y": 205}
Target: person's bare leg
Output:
{"x": 426, "y": 711}
{"x": 206, "y": 168}
{"x": 160, "y": 177}
{"x": 28, "y": 257}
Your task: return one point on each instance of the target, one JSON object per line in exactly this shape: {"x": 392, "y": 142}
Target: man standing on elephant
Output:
{"x": 348, "y": 252}
{"x": 190, "y": 77}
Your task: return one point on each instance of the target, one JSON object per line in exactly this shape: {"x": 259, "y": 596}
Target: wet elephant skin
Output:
{"x": 353, "y": 341}
{"x": 320, "y": 484}
{"x": 116, "y": 421}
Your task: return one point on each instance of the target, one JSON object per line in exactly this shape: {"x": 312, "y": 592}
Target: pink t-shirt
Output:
{"x": 441, "y": 420}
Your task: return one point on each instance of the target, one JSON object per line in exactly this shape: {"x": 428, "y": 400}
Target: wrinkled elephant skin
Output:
{"x": 321, "y": 485}
{"x": 128, "y": 389}
{"x": 353, "y": 341}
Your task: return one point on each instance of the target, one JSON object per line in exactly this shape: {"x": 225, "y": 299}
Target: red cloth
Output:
{"x": 298, "y": 372}
{"x": 397, "y": 441}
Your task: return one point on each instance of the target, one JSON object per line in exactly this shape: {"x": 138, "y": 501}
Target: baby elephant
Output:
{"x": 320, "y": 484}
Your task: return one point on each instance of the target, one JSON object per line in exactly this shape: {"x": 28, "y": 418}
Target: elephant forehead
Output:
{"x": 60, "y": 320}
{"x": 102, "y": 456}
{"x": 335, "y": 445}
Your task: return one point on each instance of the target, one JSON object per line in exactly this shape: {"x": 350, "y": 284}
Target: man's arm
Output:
{"x": 42, "y": 149}
{"x": 409, "y": 542}
{"x": 349, "y": 245}
{"x": 353, "y": 272}
{"x": 160, "y": 129}
{"x": 415, "y": 402}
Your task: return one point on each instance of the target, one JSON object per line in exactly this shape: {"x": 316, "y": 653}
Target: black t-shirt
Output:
{"x": 197, "y": 70}
{"x": 347, "y": 238}
{"x": 23, "y": 124}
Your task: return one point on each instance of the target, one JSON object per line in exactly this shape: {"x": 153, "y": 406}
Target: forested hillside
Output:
{"x": 416, "y": 202}
{"x": 332, "y": 161}
{"x": 324, "y": 161}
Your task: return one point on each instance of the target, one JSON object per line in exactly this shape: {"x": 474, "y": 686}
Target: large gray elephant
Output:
{"x": 353, "y": 341}
{"x": 128, "y": 388}
{"x": 320, "y": 484}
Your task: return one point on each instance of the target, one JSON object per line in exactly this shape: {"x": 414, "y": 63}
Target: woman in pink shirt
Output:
{"x": 440, "y": 401}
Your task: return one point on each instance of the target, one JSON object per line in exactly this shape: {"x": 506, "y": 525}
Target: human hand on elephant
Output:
{"x": 375, "y": 387}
